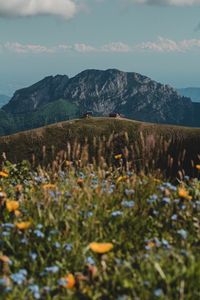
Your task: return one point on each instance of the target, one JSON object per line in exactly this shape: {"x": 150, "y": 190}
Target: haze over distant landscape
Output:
{"x": 159, "y": 41}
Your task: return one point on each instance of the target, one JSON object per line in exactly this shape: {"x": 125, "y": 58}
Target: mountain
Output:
{"x": 3, "y": 100}
{"x": 60, "y": 98}
{"x": 191, "y": 92}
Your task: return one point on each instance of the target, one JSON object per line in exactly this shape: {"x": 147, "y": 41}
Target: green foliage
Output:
{"x": 52, "y": 112}
{"x": 155, "y": 233}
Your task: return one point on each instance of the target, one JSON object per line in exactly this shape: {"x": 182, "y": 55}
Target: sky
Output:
{"x": 157, "y": 38}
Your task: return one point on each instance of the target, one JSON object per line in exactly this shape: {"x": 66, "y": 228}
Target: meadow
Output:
{"x": 81, "y": 231}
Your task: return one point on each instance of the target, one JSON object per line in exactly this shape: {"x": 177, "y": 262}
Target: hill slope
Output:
{"x": 170, "y": 148}
{"x": 3, "y": 100}
{"x": 136, "y": 96}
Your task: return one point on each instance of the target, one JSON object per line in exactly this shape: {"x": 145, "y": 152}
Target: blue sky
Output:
{"x": 158, "y": 38}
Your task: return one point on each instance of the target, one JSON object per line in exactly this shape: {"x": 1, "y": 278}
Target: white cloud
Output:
{"x": 23, "y": 8}
{"x": 28, "y": 48}
{"x": 162, "y": 45}
{"x": 116, "y": 47}
{"x": 168, "y": 2}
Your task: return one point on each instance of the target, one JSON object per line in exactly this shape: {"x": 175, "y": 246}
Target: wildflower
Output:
{"x": 4, "y": 174}
{"x": 68, "y": 281}
{"x": 183, "y": 233}
{"x": 116, "y": 213}
{"x": 5, "y": 259}
{"x": 33, "y": 255}
{"x": 39, "y": 233}
{"x": 121, "y": 179}
{"x": 198, "y": 167}
{"x": 53, "y": 269}
{"x": 34, "y": 289}
{"x": 80, "y": 182}
{"x": 101, "y": 248}
{"x": 18, "y": 213}
{"x": 12, "y": 205}
{"x": 183, "y": 193}
{"x": 23, "y": 225}
{"x": 128, "y": 204}
{"x": 19, "y": 277}
{"x": 174, "y": 217}
{"x": 90, "y": 260}
{"x": 49, "y": 186}
{"x": 158, "y": 293}
{"x": 118, "y": 156}
{"x": 166, "y": 200}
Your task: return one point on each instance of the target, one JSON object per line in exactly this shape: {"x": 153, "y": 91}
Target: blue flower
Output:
{"x": 158, "y": 292}
{"x": 128, "y": 204}
{"x": 3, "y": 282}
{"x": 152, "y": 199}
{"x": 166, "y": 200}
{"x": 57, "y": 245}
{"x": 33, "y": 255}
{"x": 129, "y": 192}
{"x": 174, "y": 217}
{"x": 34, "y": 288}
{"x": 68, "y": 247}
{"x": 39, "y": 233}
{"x": 117, "y": 213}
{"x": 90, "y": 260}
{"x": 19, "y": 277}
{"x": 53, "y": 269}
{"x": 183, "y": 233}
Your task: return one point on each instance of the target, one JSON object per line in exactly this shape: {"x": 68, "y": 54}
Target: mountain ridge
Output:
{"x": 134, "y": 95}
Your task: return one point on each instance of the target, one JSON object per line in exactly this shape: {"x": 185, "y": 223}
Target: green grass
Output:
{"x": 147, "y": 146}
{"x": 155, "y": 234}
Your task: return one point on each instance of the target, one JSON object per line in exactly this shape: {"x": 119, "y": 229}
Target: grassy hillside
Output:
{"x": 56, "y": 111}
{"x": 142, "y": 145}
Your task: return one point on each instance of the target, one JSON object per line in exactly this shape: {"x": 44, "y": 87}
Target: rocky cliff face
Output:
{"x": 136, "y": 96}
{"x": 32, "y": 98}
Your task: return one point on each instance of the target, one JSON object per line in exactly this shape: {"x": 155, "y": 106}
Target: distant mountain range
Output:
{"x": 3, "y": 100}
{"x": 191, "y": 92}
{"x": 60, "y": 98}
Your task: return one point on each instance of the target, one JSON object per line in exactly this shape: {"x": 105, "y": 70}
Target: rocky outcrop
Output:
{"x": 102, "y": 92}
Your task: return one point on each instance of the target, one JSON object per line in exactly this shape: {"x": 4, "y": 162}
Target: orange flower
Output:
{"x": 23, "y": 225}
{"x": 183, "y": 193}
{"x": 80, "y": 182}
{"x": 198, "y": 167}
{"x": 70, "y": 281}
{"x": 49, "y": 186}
{"x": 4, "y": 174}
{"x": 118, "y": 156}
{"x": 101, "y": 248}
{"x": 18, "y": 213}
{"x": 12, "y": 205}
{"x": 4, "y": 259}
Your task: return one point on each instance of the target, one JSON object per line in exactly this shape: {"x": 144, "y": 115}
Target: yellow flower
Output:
{"x": 183, "y": 193}
{"x": 18, "y": 213}
{"x": 12, "y": 205}
{"x": 198, "y": 167}
{"x": 118, "y": 156}
{"x": 49, "y": 186}
{"x": 101, "y": 248}
{"x": 70, "y": 281}
{"x": 23, "y": 225}
{"x": 121, "y": 178}
{"x": 4, "y": 174}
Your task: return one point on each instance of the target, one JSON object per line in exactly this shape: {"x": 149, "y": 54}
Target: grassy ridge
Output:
{"x": 145, "y": 145}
